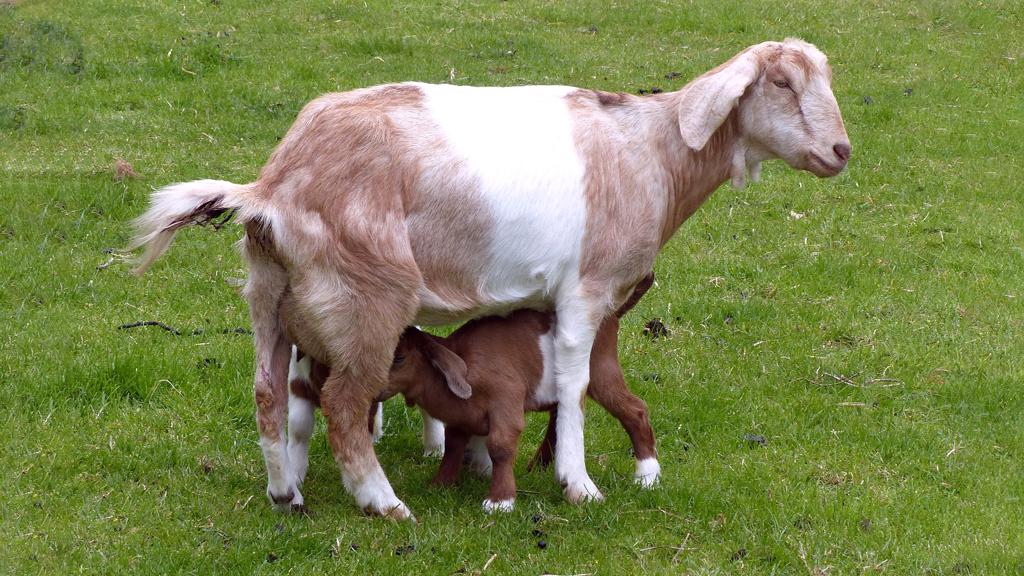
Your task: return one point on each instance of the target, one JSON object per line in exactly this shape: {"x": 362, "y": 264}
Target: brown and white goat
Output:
{"x": 480, "y": 380}
{"x": 415, "y": 204}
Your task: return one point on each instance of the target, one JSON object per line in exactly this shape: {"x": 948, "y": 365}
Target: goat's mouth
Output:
{"x": 823, "y": 168}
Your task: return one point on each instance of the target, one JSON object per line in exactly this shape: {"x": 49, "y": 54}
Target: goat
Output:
{"x": 480, "y": 381}
{"x": 413, "y": 203}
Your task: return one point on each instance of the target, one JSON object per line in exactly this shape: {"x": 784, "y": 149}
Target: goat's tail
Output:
{"x": 179, "y": 205}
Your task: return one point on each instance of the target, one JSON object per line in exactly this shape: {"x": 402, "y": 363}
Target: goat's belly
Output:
{"x": 436, "y": 309}
{"x": 516, "y": 279}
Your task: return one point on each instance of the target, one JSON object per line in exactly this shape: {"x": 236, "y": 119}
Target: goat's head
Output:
{"x": 785, "y": 108}
{"x": 421, "y": 359}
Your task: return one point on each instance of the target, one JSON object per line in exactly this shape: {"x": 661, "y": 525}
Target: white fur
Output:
{"x": 373, "y": 493}
{"x": 491, "y": 506}
{"x": 534, "y": 190}
{"x": 477, "y": 457}
{"x": 378, "y": 423}
{"x": 300, "y": 420}
{"x": 533, "y": 187}
{"x": 547, "y": 391}
{"x": 280, "y": 480}
{"x": 433, "y": 436}
{"x": 648, "y": 472}
{"x": 574, "y": 337}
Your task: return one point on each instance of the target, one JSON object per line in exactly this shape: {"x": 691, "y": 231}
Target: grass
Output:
{"x": 869, "y": 326}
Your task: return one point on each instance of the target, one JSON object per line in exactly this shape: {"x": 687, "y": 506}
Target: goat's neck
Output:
{"x": 431, "y": 393}
{"x": 689, "y": 176}
{"x": 695, "y": 174}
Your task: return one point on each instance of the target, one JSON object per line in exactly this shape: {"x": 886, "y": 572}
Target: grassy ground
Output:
{"x": 870, "y": 327}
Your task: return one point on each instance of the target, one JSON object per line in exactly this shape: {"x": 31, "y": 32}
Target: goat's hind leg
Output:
{"x": 346, "y": 402}
{"x": 264, "y": 290}
{"x": 359, "y": 333}
{"x": 614, "y": 396}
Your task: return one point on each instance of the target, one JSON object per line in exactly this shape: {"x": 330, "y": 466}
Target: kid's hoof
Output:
{"x": 499, "y": 506}
{"x": 647, "y": 474}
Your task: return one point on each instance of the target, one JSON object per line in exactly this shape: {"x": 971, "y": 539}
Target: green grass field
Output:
{"x": 870, "y": 327}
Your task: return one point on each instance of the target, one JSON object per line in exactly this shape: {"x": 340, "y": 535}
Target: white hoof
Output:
{"x": 648, "y": 473}
{"x": 499, "y": 506}
{"x": 395, "y": 511}
{"x": 582, "y": 491}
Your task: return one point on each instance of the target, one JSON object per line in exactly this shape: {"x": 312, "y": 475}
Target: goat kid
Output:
{"x": 561, "y": 199}
{"x": 481, "y": 380}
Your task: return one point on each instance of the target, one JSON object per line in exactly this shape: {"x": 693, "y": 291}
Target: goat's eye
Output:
{"x": 398, "y": 360}
{"x": 781, "y": 83}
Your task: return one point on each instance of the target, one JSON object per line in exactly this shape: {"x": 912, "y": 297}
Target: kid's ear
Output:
{"x": 451, "y": 365}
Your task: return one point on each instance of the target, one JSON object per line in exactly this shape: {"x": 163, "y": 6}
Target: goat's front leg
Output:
{"x": 608, "y": 388}
{"x": 503, "y": 445}
{"x": 575, "y": 328}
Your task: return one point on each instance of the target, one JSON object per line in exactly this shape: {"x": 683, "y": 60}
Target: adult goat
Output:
{"x": 415, "y": 203}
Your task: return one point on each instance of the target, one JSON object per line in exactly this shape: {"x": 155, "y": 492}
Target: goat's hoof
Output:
{"x": 499, "y": 505}
{"x": 648, "y": 473}
{"x": 398, "y": 511}
{"x": 281, "y": 500}
{"x": 287, "y": 501}
{"x": 581, "y": 492}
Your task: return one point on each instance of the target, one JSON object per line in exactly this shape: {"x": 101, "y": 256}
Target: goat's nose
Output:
{"x": 842, "y": 150}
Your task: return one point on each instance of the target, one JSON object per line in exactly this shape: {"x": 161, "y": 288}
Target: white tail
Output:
{"x": 180, "y": 205}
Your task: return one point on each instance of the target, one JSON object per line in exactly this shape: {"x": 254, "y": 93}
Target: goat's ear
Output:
{"x": 707, "y": 101}
{"x": 450, "y": 365}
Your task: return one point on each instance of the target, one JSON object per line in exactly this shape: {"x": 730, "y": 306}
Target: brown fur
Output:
{"x": 504, "y": 365}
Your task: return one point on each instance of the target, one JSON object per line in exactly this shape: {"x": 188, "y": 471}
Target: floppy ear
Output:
{"x": 451, "y": 366}
{"x": 708, "y": 100}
